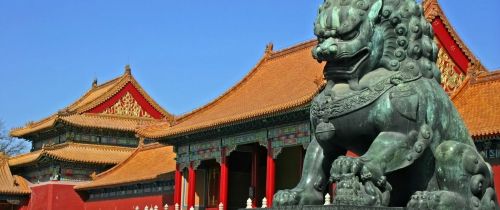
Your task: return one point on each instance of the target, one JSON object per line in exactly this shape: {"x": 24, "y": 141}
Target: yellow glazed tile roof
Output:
{"x": 9, "y": 184}
{"x": 95, "y": 96}
{"x": 478, "y": 102}
{"x": 281, "y": 81}
{"x": 75, "y": 152}
{"x": 106, "y": 121}
{"x": 147, "y": 163}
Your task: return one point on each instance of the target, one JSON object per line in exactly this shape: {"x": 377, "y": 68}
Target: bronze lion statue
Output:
{"x": 384, "y": 102}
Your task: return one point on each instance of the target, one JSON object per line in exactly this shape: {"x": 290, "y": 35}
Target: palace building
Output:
{"x": 115, "y": 148}
{"x": 89, "y": 136}
{"x": 250, "y": 142}
{"x": 92, "y": 135}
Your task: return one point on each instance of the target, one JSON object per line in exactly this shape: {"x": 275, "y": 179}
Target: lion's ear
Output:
{"x": 375, "y": 10}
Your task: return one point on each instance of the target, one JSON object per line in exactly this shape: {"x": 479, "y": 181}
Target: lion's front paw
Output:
{"x": 344, "y": 167}
{"x": 297, "y": 196}
{"x": 286, "y": 198}
{"x": 436, "y": 200}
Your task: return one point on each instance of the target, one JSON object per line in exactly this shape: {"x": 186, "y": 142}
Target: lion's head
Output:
{"x": 358, "y": 36}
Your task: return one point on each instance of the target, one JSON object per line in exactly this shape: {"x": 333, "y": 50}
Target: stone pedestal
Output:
{"x": 330, "y": 207}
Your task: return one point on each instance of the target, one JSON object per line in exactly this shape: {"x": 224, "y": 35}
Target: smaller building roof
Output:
{"x": 90, "y": 109}
{"x": 75, "y": 152}
{"x": 9, "y": 184}
{"x": 478, "y": 102}
{"x": 147, "y": 163}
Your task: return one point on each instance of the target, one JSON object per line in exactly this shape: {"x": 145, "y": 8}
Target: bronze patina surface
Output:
{"x": 383, "y": 101}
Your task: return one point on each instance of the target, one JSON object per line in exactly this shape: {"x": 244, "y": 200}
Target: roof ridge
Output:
{"x": 114, "y": 116}
{"x": 75, "y": 119}
{"x": 108, "y": 82}
{"x": 92, "y": 146}
{"x": 169, "y": 116}
{"x": 51, "y": 151}
{"x": 25, "y": 154}
{"x": 151, "y": 146}
{"x": 293, "y": 48}
{"x": 492, "y": 76}
{"x": 55, "y": 146}
{"x": 227, "y": 92}
{"x": 91, "y": 90}
{"x": 99, "y": 100}
{"x": 32, "y": 123}
{"x": 101, "y": 146}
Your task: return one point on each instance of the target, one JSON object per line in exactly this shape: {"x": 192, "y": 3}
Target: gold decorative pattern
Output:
{"x": 450, "y": 79}
{"x": 127, "y": 106}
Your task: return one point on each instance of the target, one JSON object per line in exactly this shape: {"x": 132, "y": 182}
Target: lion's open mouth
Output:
{"x": 346, "y": 65}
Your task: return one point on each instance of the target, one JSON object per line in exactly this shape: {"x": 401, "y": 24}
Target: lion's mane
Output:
{"x": 408, "y": 39}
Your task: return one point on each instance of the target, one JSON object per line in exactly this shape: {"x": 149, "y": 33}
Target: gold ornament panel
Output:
{"x": 127, "y": 106}
{"x": 450, "y": 79}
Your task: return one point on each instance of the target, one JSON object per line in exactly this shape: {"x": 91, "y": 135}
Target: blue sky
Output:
{"x": 183, "y": 53}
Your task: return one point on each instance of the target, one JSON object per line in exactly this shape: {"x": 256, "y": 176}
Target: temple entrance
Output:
{"x": 209, "y": 185}
{"x": 247, "y": 172}
{"x": 289, "y": 167}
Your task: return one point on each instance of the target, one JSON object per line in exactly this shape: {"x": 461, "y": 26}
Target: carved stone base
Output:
{"x": 331, "y": 207}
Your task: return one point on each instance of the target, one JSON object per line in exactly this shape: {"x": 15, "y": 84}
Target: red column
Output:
{"x": 496, "y": 178}
{"x": 177, "y": 187}
{"x": 192, "y": 186}
{"x": 223, "y": 180}
{"x": 270, "y": 176}
{"x": 253, "y": 181}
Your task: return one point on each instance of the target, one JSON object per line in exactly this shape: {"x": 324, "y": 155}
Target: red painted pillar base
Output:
{"x": 223, "y": 180}
{"x": 270, "y": 175}
{"x": 192, "y": 186}
{"x": 177, "y": 187}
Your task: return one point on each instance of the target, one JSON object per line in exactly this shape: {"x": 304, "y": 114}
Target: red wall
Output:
{"x": 62, "y": 196}
{"x": 53, "y": 196}
{"x": 130, "y": 203}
